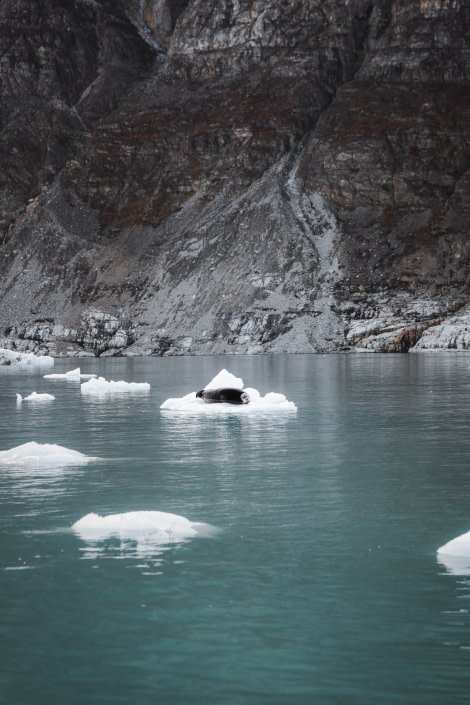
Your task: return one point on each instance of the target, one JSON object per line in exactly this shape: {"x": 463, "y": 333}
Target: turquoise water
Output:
{"x": 322, "y": 585}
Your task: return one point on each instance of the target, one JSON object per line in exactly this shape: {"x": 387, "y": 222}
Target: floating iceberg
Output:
{"x": 36, "y": 397}
{"x": 459, "y": 546}
{"x": 455, "y": 555}
{"x": 155, "y": 528}
{"x": 271, "y": 402}
{"x": 101, "y": 387}
{"x": 71, "y": 375}
{"x": 10, "y": 357}
{"x": 33, "y": 453}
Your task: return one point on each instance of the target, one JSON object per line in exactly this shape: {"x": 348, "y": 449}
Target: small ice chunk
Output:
{"x": 33, "y": 453}
{"x": 101, "y": 386}
{"x": 71, "y": 375}
{"x": 150, "y": 526}
{"x": 36, "y": 397}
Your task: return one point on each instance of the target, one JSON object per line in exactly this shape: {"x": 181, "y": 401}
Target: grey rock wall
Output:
{"x": 239, "y": 176}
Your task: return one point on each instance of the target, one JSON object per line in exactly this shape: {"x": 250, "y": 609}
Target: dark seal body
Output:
{"x": 226, "y": 394}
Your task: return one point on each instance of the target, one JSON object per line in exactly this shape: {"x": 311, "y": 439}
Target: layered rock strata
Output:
{"x": 185, "y": 176}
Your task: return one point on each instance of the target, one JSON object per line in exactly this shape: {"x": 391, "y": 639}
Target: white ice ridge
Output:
{"x": 33, "y": 453}
{"x": 36, "y": 397}
{"x": 10, "y": 357}
{"x": 150, "y": 526}
{"x": 101, "y": 386}
{"x": 271, "y": 402}
{"x": 72, "y": 375}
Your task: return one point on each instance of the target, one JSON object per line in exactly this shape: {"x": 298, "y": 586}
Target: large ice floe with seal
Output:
{"x": 227, "y": 394}
{"x": 151, "y": 527}
{"x": 38, "y": 454}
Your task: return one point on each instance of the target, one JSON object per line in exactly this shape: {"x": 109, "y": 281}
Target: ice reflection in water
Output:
{"x": 148, "y": 557}
{"x": 455, "y": 565}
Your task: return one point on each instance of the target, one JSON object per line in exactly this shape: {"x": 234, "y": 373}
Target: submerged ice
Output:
{"x": 33, "y": 453}
{"x": 152, "y": 527}
{"x": 271, "y": 402}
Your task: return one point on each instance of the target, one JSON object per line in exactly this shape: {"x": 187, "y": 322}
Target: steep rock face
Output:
{"x": 243, "y": 82}
{"x": 392, "y": 153}
{"x": 63, "y": 67}
{"x": 233, "y": 176}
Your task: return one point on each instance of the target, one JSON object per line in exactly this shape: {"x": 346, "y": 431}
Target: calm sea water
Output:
{"x": 322, "y": 585}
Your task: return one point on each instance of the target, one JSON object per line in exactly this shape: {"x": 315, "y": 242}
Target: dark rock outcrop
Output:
{"x": 185, "y": 176}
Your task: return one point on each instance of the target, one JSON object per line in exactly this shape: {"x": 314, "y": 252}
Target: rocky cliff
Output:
{"x": 206, "y": 176}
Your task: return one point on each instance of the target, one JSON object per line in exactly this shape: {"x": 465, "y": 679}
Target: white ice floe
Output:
{"x": 10, "y": 357}
{"x": 151, "y": 527}
{"x": 455, "y": 555}
{"x": 271, "y": 402}
{"x": 71, "y": 375}
{"x": 101, "y": 387}
{"x": 35, "y": 454}
{"x": 459, "y": 546}
{"x": 35, "y": 397}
